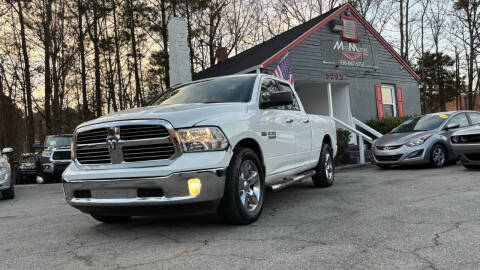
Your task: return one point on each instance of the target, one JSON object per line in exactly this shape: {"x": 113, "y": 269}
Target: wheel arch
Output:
{"x": 254, "y": 145}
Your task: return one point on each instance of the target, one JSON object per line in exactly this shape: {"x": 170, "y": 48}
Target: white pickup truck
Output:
{"x": 213, "y": 145}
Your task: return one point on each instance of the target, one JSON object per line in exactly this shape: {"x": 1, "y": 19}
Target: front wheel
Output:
{"x": 325, "y": 169}
{"x": 242, "y": 202}
{"x": 438, "y": 156}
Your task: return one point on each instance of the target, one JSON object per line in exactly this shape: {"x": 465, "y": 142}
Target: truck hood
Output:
{"x": 391, "y": 139}
{"x": 179, "y": 115}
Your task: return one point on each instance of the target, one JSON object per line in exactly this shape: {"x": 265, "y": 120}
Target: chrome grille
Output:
{"x": 88, "y": 155}
{"x": 92, "y": 136}
{"x": 139, "y": 132}
{"x": 122, "y": 143}
{"x": 148, "y": 152}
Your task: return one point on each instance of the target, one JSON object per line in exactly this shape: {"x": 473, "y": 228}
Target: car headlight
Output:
{"x": 202, "y": 139}
{"x": 46, "y": 154}
{"x": 419, "y": 141}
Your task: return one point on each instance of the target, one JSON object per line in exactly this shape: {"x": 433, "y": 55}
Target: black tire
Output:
{"x": 9, "y": 193}
{"x": 325, "y": 168}
{"x": 383, "y": 166}
{"x": 111, "y": 219}
{"x": 232, "y": 209}
{"x": 471, "y": 167}
{"x": 435, "y": 160}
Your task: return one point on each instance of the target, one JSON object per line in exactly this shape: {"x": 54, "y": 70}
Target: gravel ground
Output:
{"x": 408, "y": 218}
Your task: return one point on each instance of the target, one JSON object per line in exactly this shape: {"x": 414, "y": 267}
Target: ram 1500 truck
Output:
{"x": 213, "y": 145}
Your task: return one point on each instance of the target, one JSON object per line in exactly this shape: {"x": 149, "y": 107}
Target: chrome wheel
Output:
{"x": 328, "y": 166}
{"x": 249, "y": 185}
{"x": 438, "y": 156}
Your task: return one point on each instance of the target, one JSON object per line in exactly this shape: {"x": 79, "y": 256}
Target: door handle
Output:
{"x": 288, "y": 120}
{"x": 306, "y": 120}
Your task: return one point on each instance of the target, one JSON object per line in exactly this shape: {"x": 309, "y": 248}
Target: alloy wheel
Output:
{"x": 249, "y": 185}
{"x": 328, "y": 166}
{"x": 438, "y": 156}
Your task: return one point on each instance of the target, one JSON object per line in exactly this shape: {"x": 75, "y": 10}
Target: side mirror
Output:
{"x": 452, "y": 126}
{"x": 277, "y": 99}
{"x": 7, "y": 150}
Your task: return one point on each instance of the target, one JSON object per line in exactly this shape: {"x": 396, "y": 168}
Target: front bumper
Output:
{"x": 112, "y": 191}
{"x": 56, "y": 167}
{"x": 405, "y": 155}
{"x": 468, "y": 153}
{"x": 5, "y": 181}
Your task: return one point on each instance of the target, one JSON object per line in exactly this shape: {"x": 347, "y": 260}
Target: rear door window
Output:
{"x": 474, "y": 118}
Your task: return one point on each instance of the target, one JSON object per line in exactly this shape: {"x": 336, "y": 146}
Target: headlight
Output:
{"x": 419, "y": 141}
{"x": 46, "y": 154}
{"x": 3, "y": 164}
{"x": 202, "y": 139}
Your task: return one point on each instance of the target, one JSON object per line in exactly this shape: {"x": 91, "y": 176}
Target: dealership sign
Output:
{"x": 351, "y": 54}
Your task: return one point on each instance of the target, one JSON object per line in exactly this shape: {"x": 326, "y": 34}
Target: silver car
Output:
{"x": 6, "y": 184}
{"x": 421, "y": 140}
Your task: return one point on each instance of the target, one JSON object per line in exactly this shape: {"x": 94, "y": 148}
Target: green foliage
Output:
{"x": 343, "y": 138}
{"x": 385, "y": 125}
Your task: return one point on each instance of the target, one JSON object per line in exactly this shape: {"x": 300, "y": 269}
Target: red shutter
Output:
{"x": 378, "y": 90}
{"x": 401, "y": 113}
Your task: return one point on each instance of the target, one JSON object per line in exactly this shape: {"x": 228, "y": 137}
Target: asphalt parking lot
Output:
{"x": 414, "y": 218}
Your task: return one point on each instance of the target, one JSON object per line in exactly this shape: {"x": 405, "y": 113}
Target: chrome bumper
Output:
{"x": 124, "y": 192}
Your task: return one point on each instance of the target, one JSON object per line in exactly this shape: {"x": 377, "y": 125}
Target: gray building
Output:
{"x": 341, "y": 66}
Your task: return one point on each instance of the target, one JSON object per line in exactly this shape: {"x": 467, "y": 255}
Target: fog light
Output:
{"x": 194, "y": 186}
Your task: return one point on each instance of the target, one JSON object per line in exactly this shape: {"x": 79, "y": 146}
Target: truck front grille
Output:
{"x": 100, "y": 155}
{"x": 143, "y": 132}
{"x": 61, "y": 155}
{"x": 124, "y": 143}
{"x": 148, "y": 152}
{"x": 92, "y": 136}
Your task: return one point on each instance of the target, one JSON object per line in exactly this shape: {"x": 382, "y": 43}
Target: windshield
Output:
{"x": 232, "y": 89}
{"x": 421, "y": 123}
{"x": 58, "y": 141}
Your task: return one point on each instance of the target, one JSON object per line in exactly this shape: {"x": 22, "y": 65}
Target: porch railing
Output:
{"x": 361, "y": 145}
{"x": 367, "y": 128}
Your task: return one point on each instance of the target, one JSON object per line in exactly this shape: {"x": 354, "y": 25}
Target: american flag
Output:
{"x": 284, "y": 69}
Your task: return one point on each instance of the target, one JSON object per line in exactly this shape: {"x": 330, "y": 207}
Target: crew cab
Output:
{"x": 213, "y": 145}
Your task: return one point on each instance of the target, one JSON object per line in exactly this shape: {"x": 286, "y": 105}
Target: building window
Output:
{"x": 350, "y": 29}
{"x": 388, "y": 99}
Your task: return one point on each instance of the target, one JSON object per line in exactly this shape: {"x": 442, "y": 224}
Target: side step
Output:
{"x": 289, "y": 181}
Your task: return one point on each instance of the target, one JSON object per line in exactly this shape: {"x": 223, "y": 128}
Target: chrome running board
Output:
{"x": 289, "y": 181}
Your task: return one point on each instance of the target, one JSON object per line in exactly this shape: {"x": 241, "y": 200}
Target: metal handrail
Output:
{"x": 367, "y": 128}
{"x": 361, "y": 145}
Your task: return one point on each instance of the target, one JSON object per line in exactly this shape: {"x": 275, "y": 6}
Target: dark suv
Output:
{"x": 55, "y": 157}
{"x": 28, "y": 168}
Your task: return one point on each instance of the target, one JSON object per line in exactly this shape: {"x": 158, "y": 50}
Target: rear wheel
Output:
{"x": 438, "y": 156}
{"x": 325, "y": 168}
{"x": 9, "y": 193}
{"x": 242, "y": 202}
{"x": 111, "y": 219}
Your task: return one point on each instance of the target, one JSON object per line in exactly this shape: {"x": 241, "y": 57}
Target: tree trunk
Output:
{"x": 48, "y": 80}
{"x": 81, "y": 48}
{"x": 28, "y": 85}
{"x": 96, "y": 49}
{"x": 117, "y": 58}
{"x": 138, "y": 91}
{"x": 402, "y": 35}
{"x": 163, "y": 10}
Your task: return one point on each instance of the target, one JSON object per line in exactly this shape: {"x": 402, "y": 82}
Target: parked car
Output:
{"x": 466, "y": 144}
{"x": 209, "y": 145}
{"x": 421, "y": 140}
{"x": 6, "y": 184}
{"x": 56, "y": 156}
{"x": 28, "y": 167}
